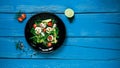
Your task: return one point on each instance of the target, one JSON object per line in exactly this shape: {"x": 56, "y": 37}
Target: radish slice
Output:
{"x": 42, "y": 25}
{"x": 50, "y": 38}
{"x": 38, "y": 30}
{"x": 48, "y": 29}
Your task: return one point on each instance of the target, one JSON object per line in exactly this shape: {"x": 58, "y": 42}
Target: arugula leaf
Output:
{"x": 38, "y": 38}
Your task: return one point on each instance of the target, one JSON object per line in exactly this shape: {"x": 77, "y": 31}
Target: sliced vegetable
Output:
{"x": 42, "y": 33}
{"x": 48, "y": 29}
{"x": 47, "y": 20}
{"x": 42, "y": 25}
{"x": 37, "y": 30}
{"x": 45, "y": 32}
{"x": 69, "y": 13}
{"x": 54, "y": 25}
{"x": 50, "y": 38}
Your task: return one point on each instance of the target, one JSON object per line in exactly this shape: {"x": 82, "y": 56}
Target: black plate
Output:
{"x": 41, "y": 47}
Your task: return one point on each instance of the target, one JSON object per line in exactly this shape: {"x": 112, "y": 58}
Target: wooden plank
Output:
{"x": 82, "y": 25}
{"x": 75, "y": 48}
{"x": 59, "y": 6}
{"x": 46, "y": 63}
{"x": 87, "y": 42}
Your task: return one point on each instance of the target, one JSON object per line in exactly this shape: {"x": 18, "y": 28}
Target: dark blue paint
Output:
{"x": 60, "y": 6}
{"x": 82, "y": 25}
{"x": 33, "y": 63}
{"x": 93, "y": 38}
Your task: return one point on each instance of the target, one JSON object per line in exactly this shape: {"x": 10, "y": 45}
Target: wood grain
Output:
{"x": 51, "y": 63}
{"x": 75, "y": 48}
{"x": 93, "y": 37}
{"x": 82, "y": 25}
{"x": 59, "y": 6}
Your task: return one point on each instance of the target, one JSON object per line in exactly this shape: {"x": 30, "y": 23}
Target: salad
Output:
{"x": 45, "y": 32}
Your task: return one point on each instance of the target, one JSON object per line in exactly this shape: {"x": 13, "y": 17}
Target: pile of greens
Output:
{"x": 47, "y": 35}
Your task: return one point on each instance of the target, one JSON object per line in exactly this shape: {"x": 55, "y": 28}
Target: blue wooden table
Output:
{"x": 93, "y": 37}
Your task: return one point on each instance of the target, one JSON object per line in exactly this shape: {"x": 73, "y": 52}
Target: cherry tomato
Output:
{"x": 50, "y": 23}
{"x": 49, "y": 44}
{"x": 20, "y": 19}
{"x": 44, "y": 30}
{"x": 23, "y": 16}
{"x": 34, "y": 25}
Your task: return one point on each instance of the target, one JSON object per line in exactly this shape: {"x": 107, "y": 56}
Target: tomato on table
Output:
{"x": 23, "y": 16}
{"x": 20, "y": 19}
